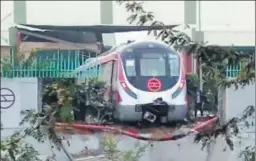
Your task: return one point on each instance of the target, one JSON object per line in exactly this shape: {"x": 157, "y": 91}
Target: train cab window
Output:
{"x": 130, "y": 67}
{"x": 174, "y": 64}
{"x": 101, "y": 73}
{"x": 105, "y": 74}
{"x": 145, "y": 62}
{"x": 152, "y": 64}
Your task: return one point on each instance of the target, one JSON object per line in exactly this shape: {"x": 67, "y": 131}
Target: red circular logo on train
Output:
{"x": 154, "y": 85}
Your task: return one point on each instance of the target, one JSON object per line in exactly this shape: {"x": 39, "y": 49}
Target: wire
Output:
{"x": 7, "y": 16}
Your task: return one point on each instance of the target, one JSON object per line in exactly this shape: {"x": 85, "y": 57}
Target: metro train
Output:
{"x": 147, "y": 79}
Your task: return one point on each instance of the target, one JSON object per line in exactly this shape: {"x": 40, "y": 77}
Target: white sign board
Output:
{"x": 17, "y": 94}
{"x": 10, "y": 101}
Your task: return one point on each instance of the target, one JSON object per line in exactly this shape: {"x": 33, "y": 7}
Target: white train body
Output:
{"x": 137, "y": 73}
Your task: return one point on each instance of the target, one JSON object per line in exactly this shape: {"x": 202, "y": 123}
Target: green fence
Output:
{"x": 61, "y": 64}
{"x": 48, "y": 64}
{"x": 233, "y": 70}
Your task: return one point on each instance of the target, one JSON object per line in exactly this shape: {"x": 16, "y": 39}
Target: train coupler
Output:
{"x": 149, "y": 117}
{"x": 155, "y": 112}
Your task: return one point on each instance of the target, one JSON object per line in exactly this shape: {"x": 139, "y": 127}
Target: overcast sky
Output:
{"x": 215, "y": 15}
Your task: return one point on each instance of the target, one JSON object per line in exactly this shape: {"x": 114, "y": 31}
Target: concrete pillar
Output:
{"x": 190, "y": 18}
{"x": 190, "y": 12}
{"x": 20, "y": 13}
{"x": 196, "y": 36}
{"x": 106, "y": 18}
{"x": 20, "y": 17}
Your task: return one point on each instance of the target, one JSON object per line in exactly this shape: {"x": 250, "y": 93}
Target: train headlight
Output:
{"x": 179, "y": 89}
{"x": 182, "y": 83}
{"x": 124, "y": 85}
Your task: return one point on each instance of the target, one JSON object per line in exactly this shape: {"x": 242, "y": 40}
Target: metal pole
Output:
{"x": 200, "y": 41}
{"x": 255, "y": 90}
{"x": 212, "y": 143}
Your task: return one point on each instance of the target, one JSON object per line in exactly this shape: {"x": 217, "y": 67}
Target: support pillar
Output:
{"x": 106, "y": 18}
{"x": 190, "y": 18}
{"x": 20, "y": 17}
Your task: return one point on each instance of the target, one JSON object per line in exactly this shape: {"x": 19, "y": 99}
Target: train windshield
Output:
{"x": 144, "y": 64}
{"x": 152, "y": 64}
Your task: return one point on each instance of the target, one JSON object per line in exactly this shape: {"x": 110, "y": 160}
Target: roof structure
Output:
{"x": 99, "y": 28}
{"x": 76, "y": 34}
{"x": 82, "y": 35}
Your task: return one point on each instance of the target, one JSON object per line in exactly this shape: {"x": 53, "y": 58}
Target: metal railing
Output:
{"x": 61, "y": 64}
{"x": 233, "y": 70}
{"x": 46, "y": 64}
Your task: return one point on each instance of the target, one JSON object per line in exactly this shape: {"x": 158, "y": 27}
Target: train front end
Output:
{"x": 151, "y": 84}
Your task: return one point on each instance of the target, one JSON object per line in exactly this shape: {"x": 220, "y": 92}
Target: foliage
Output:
{"x": 214, "y": 57}
{"x": 60, "y": 97}
{"x": 192, "y": 84}
{"x": 248, "y": 154}
{"x": 57, "y": 99}
{"x": 14, "y": 148}
{"x": 90, "y": 95}
{"x": 59, "y": 94}
{"x": 214, "y": 60}
{"x": 40, "y": 125}
{"x": 23, "y": 61}
{"x": 210, "y": 91}
{"x": 23, "y": 64}
{"x": 113, "y": 154}
{"x": 86, "y": 96}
